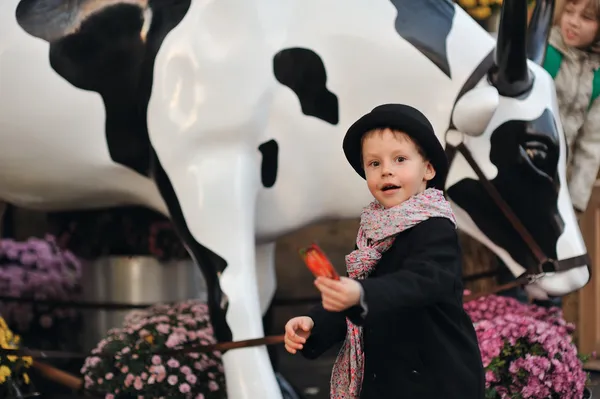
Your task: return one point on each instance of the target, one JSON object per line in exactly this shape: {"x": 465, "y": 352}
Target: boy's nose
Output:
{"x": 386, "y": 170}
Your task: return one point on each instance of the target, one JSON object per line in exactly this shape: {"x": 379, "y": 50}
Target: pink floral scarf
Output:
{"x": 376, "y": 234}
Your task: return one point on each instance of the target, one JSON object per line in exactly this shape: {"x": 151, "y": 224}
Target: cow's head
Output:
{"x": 510, "y": 124}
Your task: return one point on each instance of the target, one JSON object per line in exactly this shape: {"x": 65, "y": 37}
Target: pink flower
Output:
{"x": 184, "y": 388}
{"x": 175, "y": 339}
{"x": 186, "y": 370}
{"x": 156, "y": 360}
{"x": 163, "y": 328}
{"x": 191, "y": 378}
{"x": 213, "y": 386}
{"x": 172, "y": 379}
{"x": 138, "y": 383}
{"x": 109, "y": 376}
{"x": 173, "y": 363}
{"x": 129, "y": 380}
{"x": 93, "y": 361}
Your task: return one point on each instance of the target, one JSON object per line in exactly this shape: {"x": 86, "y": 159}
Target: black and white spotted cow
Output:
{"x": 229, "y": 115}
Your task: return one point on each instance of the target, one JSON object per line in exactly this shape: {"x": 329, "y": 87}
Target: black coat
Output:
{"x": 418, "y": 341}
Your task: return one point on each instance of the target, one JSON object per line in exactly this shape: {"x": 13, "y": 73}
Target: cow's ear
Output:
{"x": 474, "y": 110}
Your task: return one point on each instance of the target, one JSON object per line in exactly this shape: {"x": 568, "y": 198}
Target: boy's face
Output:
{"x": 394, "y": 169}
{"x": 578, "y": 24}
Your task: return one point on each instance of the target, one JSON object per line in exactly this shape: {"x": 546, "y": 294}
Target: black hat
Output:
{"x": 406, "y": 119}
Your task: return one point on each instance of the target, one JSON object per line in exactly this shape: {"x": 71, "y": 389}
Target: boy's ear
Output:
{"x": 429, "y": 171}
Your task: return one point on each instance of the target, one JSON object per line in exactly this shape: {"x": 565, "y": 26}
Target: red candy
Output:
{"x": 317, "y": 262}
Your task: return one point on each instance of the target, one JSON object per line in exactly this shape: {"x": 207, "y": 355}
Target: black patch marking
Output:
{"x": 303, "y": 71}
{"x": 105, "y": 53}
{"x": 268, "y": 171}
{"x": 526, "y": 154}
{"x": 426, "y": 24}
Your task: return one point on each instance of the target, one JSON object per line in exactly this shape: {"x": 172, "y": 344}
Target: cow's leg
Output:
{"x": 267, "y": 284}
{"x": 219, "y": 213}
{"x": 265, "y": 274}
{"x": 210, "y": 264}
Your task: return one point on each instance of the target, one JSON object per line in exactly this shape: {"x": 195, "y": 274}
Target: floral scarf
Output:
{"x": 376, "y": 234}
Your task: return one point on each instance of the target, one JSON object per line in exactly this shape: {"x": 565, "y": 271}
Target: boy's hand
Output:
{"x": 297, "y": 331}
{"x": 338, "y": 295}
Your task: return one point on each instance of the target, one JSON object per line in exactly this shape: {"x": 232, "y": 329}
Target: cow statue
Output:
{"x": 228, "y": 116}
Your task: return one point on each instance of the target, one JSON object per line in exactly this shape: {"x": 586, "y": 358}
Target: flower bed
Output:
{"x": 130, "y": 373}
{"x": 527, "y": 350}
{"x": 38, "y": 269}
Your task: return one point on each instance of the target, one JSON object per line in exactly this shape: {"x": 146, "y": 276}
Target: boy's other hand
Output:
{"x": 297, "y": 331}
{"x": 338, "y": 295}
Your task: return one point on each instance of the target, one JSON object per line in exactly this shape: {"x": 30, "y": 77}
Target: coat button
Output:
{"x": 415, "y": 372}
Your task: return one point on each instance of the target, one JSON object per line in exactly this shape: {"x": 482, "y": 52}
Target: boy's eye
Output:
{"x": 400, "y": 159}
{"x": 374, "y": 163}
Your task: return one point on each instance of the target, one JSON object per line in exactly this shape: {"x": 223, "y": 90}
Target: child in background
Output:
{"x": 400, "y": 313}
{"x": 573, "y": 60}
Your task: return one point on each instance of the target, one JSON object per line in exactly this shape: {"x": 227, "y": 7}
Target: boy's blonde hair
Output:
{"x": 592, "y": 5}
{"x": 398, "y": 134}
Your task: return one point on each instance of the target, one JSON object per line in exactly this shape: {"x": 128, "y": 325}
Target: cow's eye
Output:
{"x": 539, "y": 154}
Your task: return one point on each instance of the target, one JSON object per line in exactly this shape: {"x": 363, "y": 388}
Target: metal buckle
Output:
{"x": 548, "y": 265}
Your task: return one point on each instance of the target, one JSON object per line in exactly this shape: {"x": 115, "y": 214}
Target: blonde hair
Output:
{"x": 398, "y": 134}
{"x": 592, "y": 5}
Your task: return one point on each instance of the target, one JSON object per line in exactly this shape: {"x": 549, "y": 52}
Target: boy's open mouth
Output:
{"x": 388, "y": 187}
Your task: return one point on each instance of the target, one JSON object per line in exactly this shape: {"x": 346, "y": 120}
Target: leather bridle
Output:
{"x": 545, "y": 264}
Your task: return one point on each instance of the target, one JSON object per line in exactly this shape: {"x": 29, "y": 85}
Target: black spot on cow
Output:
{"x": 526, "y": 155}
{"x": 426, "y": 24}
{"x": 268, "y": 170}
{"x": 303, "y": 71}
{"x": 108, "y": 48}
